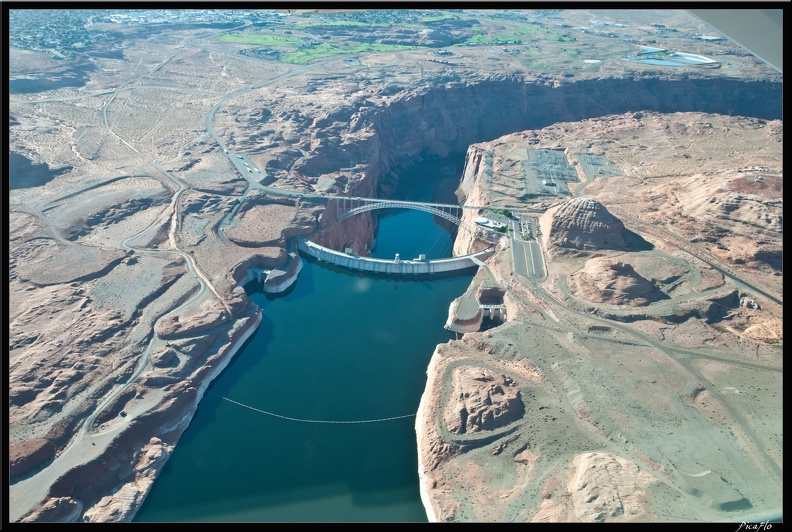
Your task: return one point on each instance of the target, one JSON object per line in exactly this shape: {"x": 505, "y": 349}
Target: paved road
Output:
{"x": 527, "y": 259}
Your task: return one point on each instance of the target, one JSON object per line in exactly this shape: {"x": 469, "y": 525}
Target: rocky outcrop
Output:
{"x": 356, "y": 232}
{"x": 581, "y": 223}
{"x": 175, "y": 326}
{"x": 162, "y": 356}
{"x": 121, "y": 506}
{"x": 751, "y": 209}
{"x": 601, "y": 487}
{"x": 55, "y": 510}
{"x": 606, "y": 487}
{"x": 239, "y": 272}
{"x": 111, "y": 211}
{"x": 280, "y": 280}
{"x": 26, "y": 455}
{"x": 464, "y": 315}
{"x": 134, "y": 463}
{"x": 270, "y": 223}
{"x": 611, "y": 281}
{"x": 75, "y": 263}
{"x": 481, "y": 400}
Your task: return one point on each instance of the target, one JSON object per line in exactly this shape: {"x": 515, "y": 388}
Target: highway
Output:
{"x": 527, "y": 258}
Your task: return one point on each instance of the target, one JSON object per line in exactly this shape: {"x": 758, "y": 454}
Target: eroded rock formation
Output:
{"x": 581, "y": 223}
{"x": 601, "y": 487}
{"x": 481, "y": 400}
{"x": 75, "y": 324}
{"x": 611, "y": 281}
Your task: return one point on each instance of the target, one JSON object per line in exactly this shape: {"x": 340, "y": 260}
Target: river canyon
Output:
{"x": 136, "y": 353}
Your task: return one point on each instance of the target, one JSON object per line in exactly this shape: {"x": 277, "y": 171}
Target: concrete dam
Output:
{"x": 398, "y": 266}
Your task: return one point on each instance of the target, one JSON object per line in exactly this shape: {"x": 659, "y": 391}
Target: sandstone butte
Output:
{"x": 638, "y": 380}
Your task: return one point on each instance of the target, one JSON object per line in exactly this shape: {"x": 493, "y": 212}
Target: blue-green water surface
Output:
{"x": 338, "y": 347}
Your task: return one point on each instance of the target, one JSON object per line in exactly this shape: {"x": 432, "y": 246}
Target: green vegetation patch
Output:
{"x": 437, "y": 18}
{"x": 261, "y": 39}
{"x": 553, "y": 36}
{"x": 339, "y": 23}
{"x": 503, "y": 212}
{"x": 480, "y": 38}
{"x": 327, "y": 50}
{"x": 515, "y": 34}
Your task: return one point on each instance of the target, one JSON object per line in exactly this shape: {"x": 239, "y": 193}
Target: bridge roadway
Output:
{"x": 396, "y": 203}
{"x": 444, "y": 212}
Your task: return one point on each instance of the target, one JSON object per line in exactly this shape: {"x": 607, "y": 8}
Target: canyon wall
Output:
{"x": 448, "y": 119}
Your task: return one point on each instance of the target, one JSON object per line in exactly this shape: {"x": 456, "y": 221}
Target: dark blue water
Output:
{"x": 428, "y": 238}
{"x": 411, "y": 233}
{"x": 338, "y": 347}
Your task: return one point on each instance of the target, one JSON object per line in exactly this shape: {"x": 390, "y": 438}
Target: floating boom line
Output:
{"x": 312, "y": 420}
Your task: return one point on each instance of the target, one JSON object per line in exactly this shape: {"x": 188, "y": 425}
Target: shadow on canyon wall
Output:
{"x": 443, "y": 121}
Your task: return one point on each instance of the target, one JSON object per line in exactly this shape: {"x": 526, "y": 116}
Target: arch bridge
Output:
{"x": 348, "y": 207}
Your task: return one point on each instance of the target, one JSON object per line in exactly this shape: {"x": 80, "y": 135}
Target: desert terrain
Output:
{"x": 639, "y": 379}
{"x": 636, "y": 354}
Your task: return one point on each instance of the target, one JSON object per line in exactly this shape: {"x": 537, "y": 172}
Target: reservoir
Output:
{"x": 314, "y": 419}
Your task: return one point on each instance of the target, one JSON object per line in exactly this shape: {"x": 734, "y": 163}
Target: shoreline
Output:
{"x": 231, "y": 351}
{"x": 419, "y": 425}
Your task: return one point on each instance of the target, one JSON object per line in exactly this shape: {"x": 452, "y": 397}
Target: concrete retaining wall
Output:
{"x": 277, "y": 284}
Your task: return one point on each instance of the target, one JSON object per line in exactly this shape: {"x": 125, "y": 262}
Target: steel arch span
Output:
{"x": 343, "y": 215}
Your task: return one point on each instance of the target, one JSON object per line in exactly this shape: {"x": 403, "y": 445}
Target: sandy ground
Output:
{"x": 639, "y": 405}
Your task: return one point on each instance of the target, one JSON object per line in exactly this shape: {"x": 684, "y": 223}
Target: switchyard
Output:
{"x": 549, "y": 172}
{"x": 598, "y": 166}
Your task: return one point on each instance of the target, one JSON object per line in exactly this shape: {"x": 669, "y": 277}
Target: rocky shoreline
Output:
{"x": 117, "y": 507}
{"x": 425, "y": 410}
{"x": 129, "y": 493}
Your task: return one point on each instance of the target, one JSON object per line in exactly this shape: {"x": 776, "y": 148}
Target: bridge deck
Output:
{"x": 326, "y": 197}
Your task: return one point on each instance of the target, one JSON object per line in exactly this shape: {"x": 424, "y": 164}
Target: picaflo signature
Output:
{"x": 755, "y": 526}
